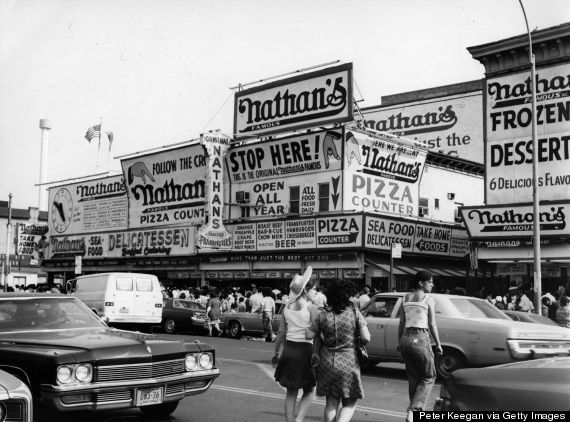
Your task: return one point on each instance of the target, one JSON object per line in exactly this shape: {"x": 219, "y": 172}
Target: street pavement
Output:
{"x": 247, "y": 392}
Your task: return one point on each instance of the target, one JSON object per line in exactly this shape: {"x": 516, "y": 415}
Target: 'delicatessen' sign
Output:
{"x": 308, "y": 100}
{"x": 415, "y": 237}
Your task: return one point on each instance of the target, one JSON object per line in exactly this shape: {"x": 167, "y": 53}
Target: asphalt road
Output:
{"x": 247, "y": 392}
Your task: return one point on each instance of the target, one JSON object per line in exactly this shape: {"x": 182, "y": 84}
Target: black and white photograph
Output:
{"x": 284, "y": 211}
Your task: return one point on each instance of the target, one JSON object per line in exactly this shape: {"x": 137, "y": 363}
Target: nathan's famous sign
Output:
{"x": 307, "y": 100}
{"x": 382, "y": 172}
{"x": 87, "y": 207}
{"x": 167, "y": 187}
{"x": 509, "y": 146}
{"x": 516, "y": 220}
{"x": 452, "y": 124}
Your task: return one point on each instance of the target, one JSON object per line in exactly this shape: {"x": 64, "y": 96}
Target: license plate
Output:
{"x": 123, "y": 311}
{"x": 149, "y": 396}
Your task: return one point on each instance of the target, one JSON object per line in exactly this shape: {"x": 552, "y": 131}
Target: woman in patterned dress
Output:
{"x": 338, "y": 372}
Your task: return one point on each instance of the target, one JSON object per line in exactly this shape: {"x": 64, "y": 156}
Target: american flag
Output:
{"x": 93, "y": 132}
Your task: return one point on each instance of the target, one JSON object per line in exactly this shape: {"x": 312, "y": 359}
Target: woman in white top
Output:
{"x": 417, "y": 321}
{"x": 294, "y": 370}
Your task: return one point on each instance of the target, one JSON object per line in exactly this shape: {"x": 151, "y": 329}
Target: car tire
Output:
{"x": 450, "y": 361}
{"x": 159, "y": 411}
{"x": 170, "y": 326}
{"x": 234, "y": 329}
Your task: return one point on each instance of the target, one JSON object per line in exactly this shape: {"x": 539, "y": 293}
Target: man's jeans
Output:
{"x": 416, "y": 351}
{"x": 267, "y": 327}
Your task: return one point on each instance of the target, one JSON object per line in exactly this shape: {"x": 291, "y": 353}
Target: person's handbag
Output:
{"x": 361, "y": 352}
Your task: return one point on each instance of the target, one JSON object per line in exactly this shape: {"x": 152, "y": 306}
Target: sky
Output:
{"x": 159, "y": 72}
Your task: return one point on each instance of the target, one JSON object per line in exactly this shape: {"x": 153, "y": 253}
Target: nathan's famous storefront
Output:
{"x": 504, "y": 227}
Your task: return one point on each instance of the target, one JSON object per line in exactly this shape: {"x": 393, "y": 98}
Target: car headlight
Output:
{"x": 190, "y": 362}
{"x": 64, "y": 374}
{"x": 75, "y": 374}
{"x": 83, "y": 372}
{"x": 206, "y": 361}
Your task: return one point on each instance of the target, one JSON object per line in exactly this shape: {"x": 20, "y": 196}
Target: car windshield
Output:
{"x": 186, "y": 304}
{"x": 471, "y": 308}
{"x": 29, "y": 314}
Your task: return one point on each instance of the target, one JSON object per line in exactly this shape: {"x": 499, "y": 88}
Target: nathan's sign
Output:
{"x": 298, "y": 155}
{"x": 31, "y": 240}
{"x": 382, "y": 172}
{"x": 166, "y": 188}
{"x": 516, "y": 220}
{"x": 213, "y": 235}
{"x": 162, "y": 242}
{"x": 451, "y": 124}
{"x": 307, "y": 100}
{"x": 86, "y": 207}
{"x": 509, "y": 148}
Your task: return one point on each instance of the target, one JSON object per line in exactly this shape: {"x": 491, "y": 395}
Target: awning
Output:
{"x": 397, "y": 270}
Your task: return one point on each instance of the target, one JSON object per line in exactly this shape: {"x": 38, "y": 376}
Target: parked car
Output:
{"x": 472, "y": 332}
{"x": 15, "y": 399}
{"x": 540, "y": 384}
{"x": 180, "y": 315}
{"x": 529, "y": 317}
{"x": 71, "y": 360}
{"x": 236, "y": 324}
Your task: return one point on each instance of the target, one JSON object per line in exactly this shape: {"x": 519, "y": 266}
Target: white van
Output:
{"x": 123, "y": 298}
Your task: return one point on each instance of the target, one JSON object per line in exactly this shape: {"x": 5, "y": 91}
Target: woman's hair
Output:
{"x": 339, "y": 293}
{"x": 266, "y": 291}
{"x": 564, "y": 300}
{"x": 421, "y": 277}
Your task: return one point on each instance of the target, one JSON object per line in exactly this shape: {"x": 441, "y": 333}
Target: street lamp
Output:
{"x": 535, "y": 200}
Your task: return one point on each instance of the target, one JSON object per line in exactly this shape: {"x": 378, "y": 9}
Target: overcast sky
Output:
{"x": 160, "y": 72}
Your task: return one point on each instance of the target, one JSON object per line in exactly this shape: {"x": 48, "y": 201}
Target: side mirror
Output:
{"x": 104, "y": 319}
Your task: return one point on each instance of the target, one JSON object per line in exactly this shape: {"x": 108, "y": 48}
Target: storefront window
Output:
{"x": 294, "y": 194}
{"x": 323, "y": 196}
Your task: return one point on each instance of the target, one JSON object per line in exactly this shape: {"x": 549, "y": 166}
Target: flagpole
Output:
{"x": 99, "y": 144}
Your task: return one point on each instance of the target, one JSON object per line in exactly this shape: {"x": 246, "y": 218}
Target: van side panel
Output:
{"x": 122, "y": 297}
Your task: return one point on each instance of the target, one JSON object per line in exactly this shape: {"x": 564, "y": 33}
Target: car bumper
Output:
{"x": 122, "y": 395}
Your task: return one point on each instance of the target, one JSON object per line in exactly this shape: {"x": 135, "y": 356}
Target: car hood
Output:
{"x": 100, "y": 344}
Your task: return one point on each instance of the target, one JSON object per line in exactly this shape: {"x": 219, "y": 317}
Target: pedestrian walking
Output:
{"x": 563, "y": 311}
{"x": 214, "y": 313}
{"x": 417, "y": 321}
{"x": 267, "y": 312}
{"x": 294, "y": 370}
{"x": 338, "y": 371}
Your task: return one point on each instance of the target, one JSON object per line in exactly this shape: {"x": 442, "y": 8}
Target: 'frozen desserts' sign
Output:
{"x": 214, "y": 235}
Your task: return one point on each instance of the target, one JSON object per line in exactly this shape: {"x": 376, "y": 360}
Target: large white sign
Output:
{"x": 381, "y": 174}
{"x": 295, "y": 156}
{"x": 213, "y": 235}
{"x": 87, "y": 207}
{"x": 31, "y": 240}
{"x": 166, "y": 188}
{"x": 509, "y": 147}
{"x": 307, "y": 100}
{"x": 452, "y": 125}
{"x": 516, "y": 220}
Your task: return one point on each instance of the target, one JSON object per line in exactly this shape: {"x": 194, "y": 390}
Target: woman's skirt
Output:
{"x": 294, "y": 367}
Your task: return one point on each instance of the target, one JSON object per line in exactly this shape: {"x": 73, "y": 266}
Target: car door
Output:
{"x": 383, "y": 320}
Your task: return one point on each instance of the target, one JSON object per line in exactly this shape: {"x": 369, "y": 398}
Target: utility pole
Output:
{"x": 6, "y": 266}
{"x": 535, "y": 197}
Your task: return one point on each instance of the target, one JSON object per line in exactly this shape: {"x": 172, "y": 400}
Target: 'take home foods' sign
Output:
{"x": 307, "y": 100}
{"x": 516, "y": 220}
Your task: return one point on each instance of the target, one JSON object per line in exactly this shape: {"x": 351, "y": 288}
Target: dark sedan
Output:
{"x": 179, "y": 315}
{"x": 72, "y": 361}
{"x": 540, "y": 384}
